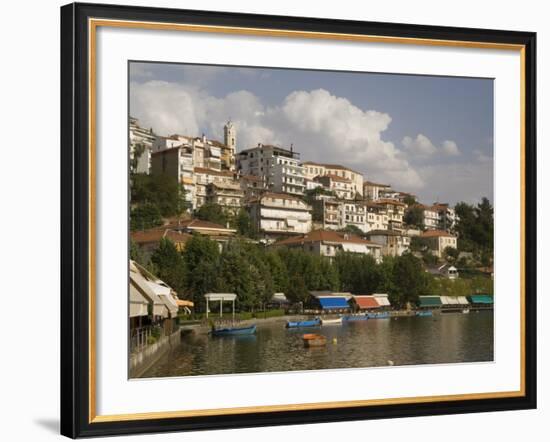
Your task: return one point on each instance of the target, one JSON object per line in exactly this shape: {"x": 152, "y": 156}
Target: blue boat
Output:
{"x": 297, "y": 324}
{"x": 424, "y": 313}
{"x": 353, "y": 318}
{"x": 378, "y": 315}
{"x": 234, "y": 331}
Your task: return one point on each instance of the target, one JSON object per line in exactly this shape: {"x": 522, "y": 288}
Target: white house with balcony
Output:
{"x": 278, "y": 167}
{"x": 280, "y": 214}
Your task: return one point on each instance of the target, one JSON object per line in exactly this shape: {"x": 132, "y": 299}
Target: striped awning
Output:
{"x": 481, "y": 299}
{"x": 429, "y": 301}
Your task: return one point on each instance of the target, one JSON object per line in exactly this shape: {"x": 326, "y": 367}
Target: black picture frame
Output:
{"x": 75, "y": 220}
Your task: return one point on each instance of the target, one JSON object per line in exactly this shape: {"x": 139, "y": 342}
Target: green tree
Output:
{"x": 409, "y": 279}
{"x": 243, "y": 224}
{"x": 414, "y": 217}
{"x": 162, "y": 191}
{"x": 145, "y": 216}
{"x": 297, "y": 291}
{"x": 409, "y": 200}
{"x": 354, "y": 230}
{"x": 170, "y": 265}
{"x": 201, "y": 256}
{"x": 212, "y": 212}
{"x": 450, "y": 254}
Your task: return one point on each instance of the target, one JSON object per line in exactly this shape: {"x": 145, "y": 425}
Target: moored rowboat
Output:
{"x": 234, "y": 331}
{"x": 310, "y": 323}
{"x": 314, "y": 340}
{"x": 333, "y": 321}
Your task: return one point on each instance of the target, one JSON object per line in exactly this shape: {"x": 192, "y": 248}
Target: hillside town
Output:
{"x": 329, "y": 207}
{"x": 224, "y": 237}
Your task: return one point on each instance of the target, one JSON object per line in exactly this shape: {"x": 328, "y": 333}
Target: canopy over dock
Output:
{"x": 221, "y": 297}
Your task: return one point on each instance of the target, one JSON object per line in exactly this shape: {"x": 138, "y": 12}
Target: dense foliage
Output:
{"x": 154, "y": 197}
{"x": 254, "y": 273}
{"x": 475, "y": 230}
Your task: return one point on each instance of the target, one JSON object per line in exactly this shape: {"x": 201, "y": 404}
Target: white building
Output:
{"x": 175, "y": 161}
{"x": 393, "y": 243}
{"x": 343, "y": 188}
{"x": 371, "y": 191}
{"x": 312, "y": 170}
{"x": 447, "y": 216}
{"x": 278, "y": 167}
{"x": 141, "y": 146}
{"x": 438, "y": 240}
{"x": 430, "y": 217}
{"x": 329, "y": 243}
{"x": 279, "y": 213}
{"x": 202, "y": 177}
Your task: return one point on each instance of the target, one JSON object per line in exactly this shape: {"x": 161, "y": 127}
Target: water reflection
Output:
{"x": 444, "y": 338}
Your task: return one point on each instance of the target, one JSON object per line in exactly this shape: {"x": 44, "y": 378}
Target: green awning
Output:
{"x": 429, "y": 301}
{"x": 481, "y": 299}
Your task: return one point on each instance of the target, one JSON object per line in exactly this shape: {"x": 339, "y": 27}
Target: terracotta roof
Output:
{"x": 366, "y": 301}
{"x": 326, "y": 236}
{"x": 155, "y": 235}
{"x": 435, "y": 234}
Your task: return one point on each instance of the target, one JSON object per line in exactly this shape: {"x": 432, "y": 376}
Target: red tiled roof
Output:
{"x": 366, "y": 301}
{"x": 326, "y": 236}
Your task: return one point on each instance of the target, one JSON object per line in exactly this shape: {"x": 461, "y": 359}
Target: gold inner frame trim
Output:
{"x": 93, "y": 24}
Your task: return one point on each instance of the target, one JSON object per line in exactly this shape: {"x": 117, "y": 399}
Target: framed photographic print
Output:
{"x": 275, "y": 220}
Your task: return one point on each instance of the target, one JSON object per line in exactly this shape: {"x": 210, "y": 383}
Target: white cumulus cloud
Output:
{"x": 321, "y": 126}
{"x": 449, "y": 147}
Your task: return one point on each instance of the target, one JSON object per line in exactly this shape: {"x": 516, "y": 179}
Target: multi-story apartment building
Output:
{"x": 209, "y": 154}
{"x": 228, "y": 195}
{"x": 278, "y": 167}
{"x": 203, "y": 177}
{"x": 176, "y": 162}
{"x": 312, "y": 170}
{"x": 438, "y": 240}
{"x": 343, "y": 188}
{"x": 447, "y": 216}
{"x": 377, "y": 217}
{"x": 329, "y": 243}
{"x": 141, "y": 146}
{"x": 393, "y": 243}
{"x": 354, "y": 214}
{"x": 430, "y": 217}
{"x": 371, "y": 191}
{"x": 280, "y": 214}
{"x": 252, "y": 186}
{"x": 395, "y": 212}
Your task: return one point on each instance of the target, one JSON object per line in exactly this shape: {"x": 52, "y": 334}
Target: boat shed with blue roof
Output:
{"x": 328, "y": 301}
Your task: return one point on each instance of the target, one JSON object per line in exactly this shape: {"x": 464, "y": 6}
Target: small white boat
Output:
{"x": 331, "y": 321}
{"x": 466, "y": 310}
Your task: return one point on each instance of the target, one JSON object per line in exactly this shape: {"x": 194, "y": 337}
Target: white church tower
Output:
{"x": 230, "y": 136}
{"x": 230, "y": 140}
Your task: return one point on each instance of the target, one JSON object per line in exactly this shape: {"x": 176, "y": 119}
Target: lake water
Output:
{"x": 445, "y": 338}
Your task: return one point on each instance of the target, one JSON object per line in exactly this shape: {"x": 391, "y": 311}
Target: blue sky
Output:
{"x": 432, "y": 136}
